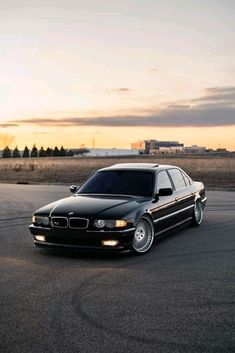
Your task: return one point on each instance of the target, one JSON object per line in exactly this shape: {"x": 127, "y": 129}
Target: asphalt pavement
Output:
{"x": 177, "y": 298}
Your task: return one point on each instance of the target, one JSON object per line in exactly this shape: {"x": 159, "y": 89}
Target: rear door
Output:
{"x": 184, "y": 195}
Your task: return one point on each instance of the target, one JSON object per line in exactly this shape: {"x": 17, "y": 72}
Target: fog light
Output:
{"x": 110, "y": 242}
{"x": 40, "y": 237}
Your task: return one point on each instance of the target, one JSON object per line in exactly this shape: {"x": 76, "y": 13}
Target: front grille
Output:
{"x": 73, "y": 222}
{"x": 78, "y": 223}
{"x": 59, "y": 222}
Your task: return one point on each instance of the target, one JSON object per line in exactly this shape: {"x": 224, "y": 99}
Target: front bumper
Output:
{"x": 82, "y": 239}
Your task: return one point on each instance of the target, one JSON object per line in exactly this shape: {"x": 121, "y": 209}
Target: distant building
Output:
{"x": 195, "y": 149}
{"x": 155, "y": 146}
{"x": 171, "y": 149}
{"x": 138, "y": 145}
{"x": 221, "y": 150}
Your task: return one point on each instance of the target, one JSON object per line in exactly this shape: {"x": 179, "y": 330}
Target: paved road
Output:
{"x": 177, "y": 298}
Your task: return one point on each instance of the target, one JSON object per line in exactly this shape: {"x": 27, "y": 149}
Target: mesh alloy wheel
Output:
{"x": 144, "y": 236}
{"x": 197, "y": 213}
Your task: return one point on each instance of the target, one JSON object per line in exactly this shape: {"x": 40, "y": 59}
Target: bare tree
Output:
{"x": 6, "y": 140}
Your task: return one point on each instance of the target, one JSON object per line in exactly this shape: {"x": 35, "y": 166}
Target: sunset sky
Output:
{"x": 117, "y": 71}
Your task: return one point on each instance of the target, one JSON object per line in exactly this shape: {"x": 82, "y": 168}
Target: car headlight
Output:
{"x": 40, "y": 220}
{"x": 109, "y": 223}
{"x": 99, "y": 223}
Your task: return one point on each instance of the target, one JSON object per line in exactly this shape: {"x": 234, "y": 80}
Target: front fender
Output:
{"x": 134, "y": 217}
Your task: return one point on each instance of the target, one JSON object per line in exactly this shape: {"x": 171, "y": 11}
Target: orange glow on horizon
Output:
{"x": 119, "y": 137}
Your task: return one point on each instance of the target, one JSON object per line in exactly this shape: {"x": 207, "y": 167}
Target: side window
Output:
{"x": 177, "y": 178}
{"x": 186, "y": 179}
{"x": 163, "y": 181}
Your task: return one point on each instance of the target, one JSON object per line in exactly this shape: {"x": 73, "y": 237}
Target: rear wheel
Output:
{"x": 197, "y": 213}
{"x": 144, "y": 236}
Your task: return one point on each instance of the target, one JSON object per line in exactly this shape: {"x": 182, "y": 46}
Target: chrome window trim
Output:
{"x": 86, "y": 219}
{"x": 185, "y": 176}
{"x": 173, "y": 213}
{"x": 59, "y": 226}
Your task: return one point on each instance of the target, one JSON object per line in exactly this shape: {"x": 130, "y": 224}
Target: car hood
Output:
{"x": 93, "y": 206}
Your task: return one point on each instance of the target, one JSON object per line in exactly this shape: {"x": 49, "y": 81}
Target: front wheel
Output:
{"x": 197, "y": 213}
{"x": 144, "y": 236}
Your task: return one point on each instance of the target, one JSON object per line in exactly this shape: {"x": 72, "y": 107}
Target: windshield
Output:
{"x": 123, "y": 182}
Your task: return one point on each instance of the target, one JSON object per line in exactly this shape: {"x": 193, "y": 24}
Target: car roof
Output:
{"x": 138, "y": 166}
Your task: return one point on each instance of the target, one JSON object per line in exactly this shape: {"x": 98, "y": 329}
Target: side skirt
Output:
{"x": 174, "y": 226}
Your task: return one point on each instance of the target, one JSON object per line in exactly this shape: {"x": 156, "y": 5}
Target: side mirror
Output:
{"x": 73, "y": 189}
{"x": 165, "y": 192}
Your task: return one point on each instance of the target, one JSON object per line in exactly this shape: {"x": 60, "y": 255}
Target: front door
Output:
{"x": 164, "y": 211}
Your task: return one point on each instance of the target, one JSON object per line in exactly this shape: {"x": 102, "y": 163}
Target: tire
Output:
{"x": 143, "y": 237}
{"x": 197, "y": 213}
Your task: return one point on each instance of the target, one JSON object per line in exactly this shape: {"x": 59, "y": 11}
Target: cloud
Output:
{"x": 5, "y": 125}
{"x": 218, "y": 94}
{"x": 217, "y": 90}
{"x": 171, "y": 117}
{"x": 215, "y": 108}
{"x": 154, "y": 69}
{"x": 121, "y": 90}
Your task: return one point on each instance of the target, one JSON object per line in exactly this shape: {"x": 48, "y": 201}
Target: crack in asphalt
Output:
{"x": 14, "y": 219}
{"x": 78, "y": 307}
{"x": 10, "y": 225}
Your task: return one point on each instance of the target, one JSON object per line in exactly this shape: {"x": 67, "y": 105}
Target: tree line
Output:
{"x": 49, "y": 152}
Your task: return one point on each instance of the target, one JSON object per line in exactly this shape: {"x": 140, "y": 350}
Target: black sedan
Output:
{"x": 122, "y": 207}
